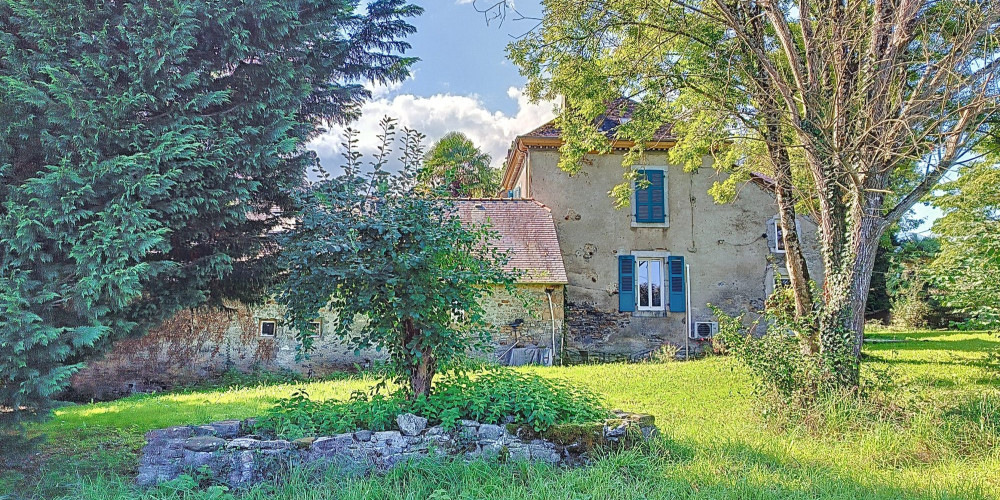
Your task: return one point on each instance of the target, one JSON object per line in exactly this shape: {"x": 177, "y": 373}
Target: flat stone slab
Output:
{"x": 204, "y": 443}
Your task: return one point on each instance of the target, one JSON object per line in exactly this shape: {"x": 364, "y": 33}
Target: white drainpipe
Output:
{"x": 552, "y": 316}
{"x": 687, "y": 290}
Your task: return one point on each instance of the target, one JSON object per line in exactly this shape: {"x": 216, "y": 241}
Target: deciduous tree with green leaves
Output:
{"x": 457, "y": 165}
{"x": 967, "y": 270}
{"x": 855, "y": 108}
{"x": 401, "y": 270}
{"x": 144, "y": 146}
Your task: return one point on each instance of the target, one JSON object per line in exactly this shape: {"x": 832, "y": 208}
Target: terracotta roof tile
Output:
{"x": 526, "y": 229}
{"x": 618, "y": 110}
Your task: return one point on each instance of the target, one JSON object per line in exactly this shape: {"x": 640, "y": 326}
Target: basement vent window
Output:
{"x": 268, "y": 327}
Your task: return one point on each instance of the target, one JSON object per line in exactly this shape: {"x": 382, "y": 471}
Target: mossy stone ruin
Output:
{"x": 234, "y": 456}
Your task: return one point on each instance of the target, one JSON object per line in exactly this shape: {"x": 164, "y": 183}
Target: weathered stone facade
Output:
{"x": 239, "y": 460}
{"x": 199, "y": 345}
{"x": 731, "y": 248}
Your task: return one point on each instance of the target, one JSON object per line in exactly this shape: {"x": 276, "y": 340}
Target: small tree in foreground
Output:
{"x": 402, "y": 271}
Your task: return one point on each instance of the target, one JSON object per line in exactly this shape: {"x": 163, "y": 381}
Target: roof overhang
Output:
{"x": 518, "y": 150}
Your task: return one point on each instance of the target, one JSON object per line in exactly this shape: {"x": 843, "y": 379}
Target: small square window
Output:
{"x": 268, "y": 327}
{"x": 779, "y": 237}
{"x": 316, "y": 329}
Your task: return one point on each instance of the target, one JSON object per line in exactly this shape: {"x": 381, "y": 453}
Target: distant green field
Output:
{"x": 939, "y": 437}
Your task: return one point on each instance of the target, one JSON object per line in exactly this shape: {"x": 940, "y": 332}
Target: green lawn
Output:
{"x": 939, "y": 437}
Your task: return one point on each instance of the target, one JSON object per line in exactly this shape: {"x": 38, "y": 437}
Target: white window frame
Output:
{"x": 664, "y": 294}
{"x": 776, "y": 227}
{"x": 318, "y": 332}
{"x": 260, "y": 328}
{"x": 775, "y": 272}
{"x": 666, "y": 199}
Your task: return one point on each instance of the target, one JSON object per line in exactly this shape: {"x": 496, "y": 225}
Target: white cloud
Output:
{"x": 437, "y": 115}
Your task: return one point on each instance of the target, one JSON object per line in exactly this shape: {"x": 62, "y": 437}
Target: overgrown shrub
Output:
{"x": 790, "y": 379}
{"x": 666, "y": 353}
{"x": 780, "y": 368}
{"x": 495, "y": 396}
{"x": 500, "y": 395}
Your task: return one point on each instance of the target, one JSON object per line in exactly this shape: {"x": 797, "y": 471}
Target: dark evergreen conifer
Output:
{"x": 144, "y": 148}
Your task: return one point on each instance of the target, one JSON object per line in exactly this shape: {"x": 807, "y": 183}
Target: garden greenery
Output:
{"x": 403, "y": 272}
{"x": 146, "y": 148}
{"x": 495, "y": 396}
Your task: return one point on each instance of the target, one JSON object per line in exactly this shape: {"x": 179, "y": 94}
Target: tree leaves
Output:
{"x": 147, "y": 152}
{"x": 407, "y": 267}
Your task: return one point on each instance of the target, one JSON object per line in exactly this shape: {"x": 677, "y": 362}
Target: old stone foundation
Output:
{"x": 239, "y": 459}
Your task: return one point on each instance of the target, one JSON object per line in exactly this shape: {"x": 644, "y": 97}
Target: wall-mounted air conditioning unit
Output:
{"x": 704, "y": 330}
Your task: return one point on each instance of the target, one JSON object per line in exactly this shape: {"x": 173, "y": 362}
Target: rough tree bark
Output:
{"x": 422, "y": 366}
{"x": 771, "y": 130}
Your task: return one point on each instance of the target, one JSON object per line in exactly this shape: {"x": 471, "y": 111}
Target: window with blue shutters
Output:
{"x": 675, "y": 269}
{"x": 651, "y": 201}
{"x": 649, "y": 283}
{"x": 626, "y": 283}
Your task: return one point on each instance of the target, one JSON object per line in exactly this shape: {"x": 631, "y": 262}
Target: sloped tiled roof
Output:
{"x": 549, "y": 136}
{"x": 618, "y": 110}
{"x": 526, "y": 229}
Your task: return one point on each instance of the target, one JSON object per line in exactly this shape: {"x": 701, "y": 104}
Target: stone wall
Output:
{"x": 529, "y": 305}
{"x": 198, "y": 345}
{"x": 239, "y": 460}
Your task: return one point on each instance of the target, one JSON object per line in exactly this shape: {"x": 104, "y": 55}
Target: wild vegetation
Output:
{"x": 930, "y": 429}
{"x": 968, "y": 267}
{"x": 146, "y": 149}
{"x": 853, "y": 110}
{"x": 491, "y": 397}
{"x": 401, "y": 269}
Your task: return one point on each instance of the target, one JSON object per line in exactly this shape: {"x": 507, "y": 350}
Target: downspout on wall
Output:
{"x": 687, "y": 288}
{"x": 552, "y": 317}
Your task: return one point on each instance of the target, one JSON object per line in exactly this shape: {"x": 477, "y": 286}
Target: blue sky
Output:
{"x": 464, "y": 82}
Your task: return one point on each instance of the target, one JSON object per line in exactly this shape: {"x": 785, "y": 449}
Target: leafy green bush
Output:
{"x": 494, "y": 396}
{"x": 500, "y": 395}
{"x": 779, "y": 366}
{"x": 794, "y": 387}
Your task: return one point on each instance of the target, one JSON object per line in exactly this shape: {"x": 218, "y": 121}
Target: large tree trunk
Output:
{"x": 795, "y": 262}
{"x": 846, "y": 289}
{"x": 422, "y": 366}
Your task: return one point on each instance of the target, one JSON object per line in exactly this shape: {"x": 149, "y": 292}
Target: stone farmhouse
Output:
{"x": 597, "y": 283}
{"x": 643, "y": 276}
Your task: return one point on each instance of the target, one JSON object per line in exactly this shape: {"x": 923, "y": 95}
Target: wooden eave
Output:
{"x": 515, "y": 159}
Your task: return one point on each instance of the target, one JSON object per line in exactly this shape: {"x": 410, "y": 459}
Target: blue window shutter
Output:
{"x": 675, "y": 270}
{"x": 649, "y": 202}
{"x": 657, "y": 207}
{"x": 626, "y": 283}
